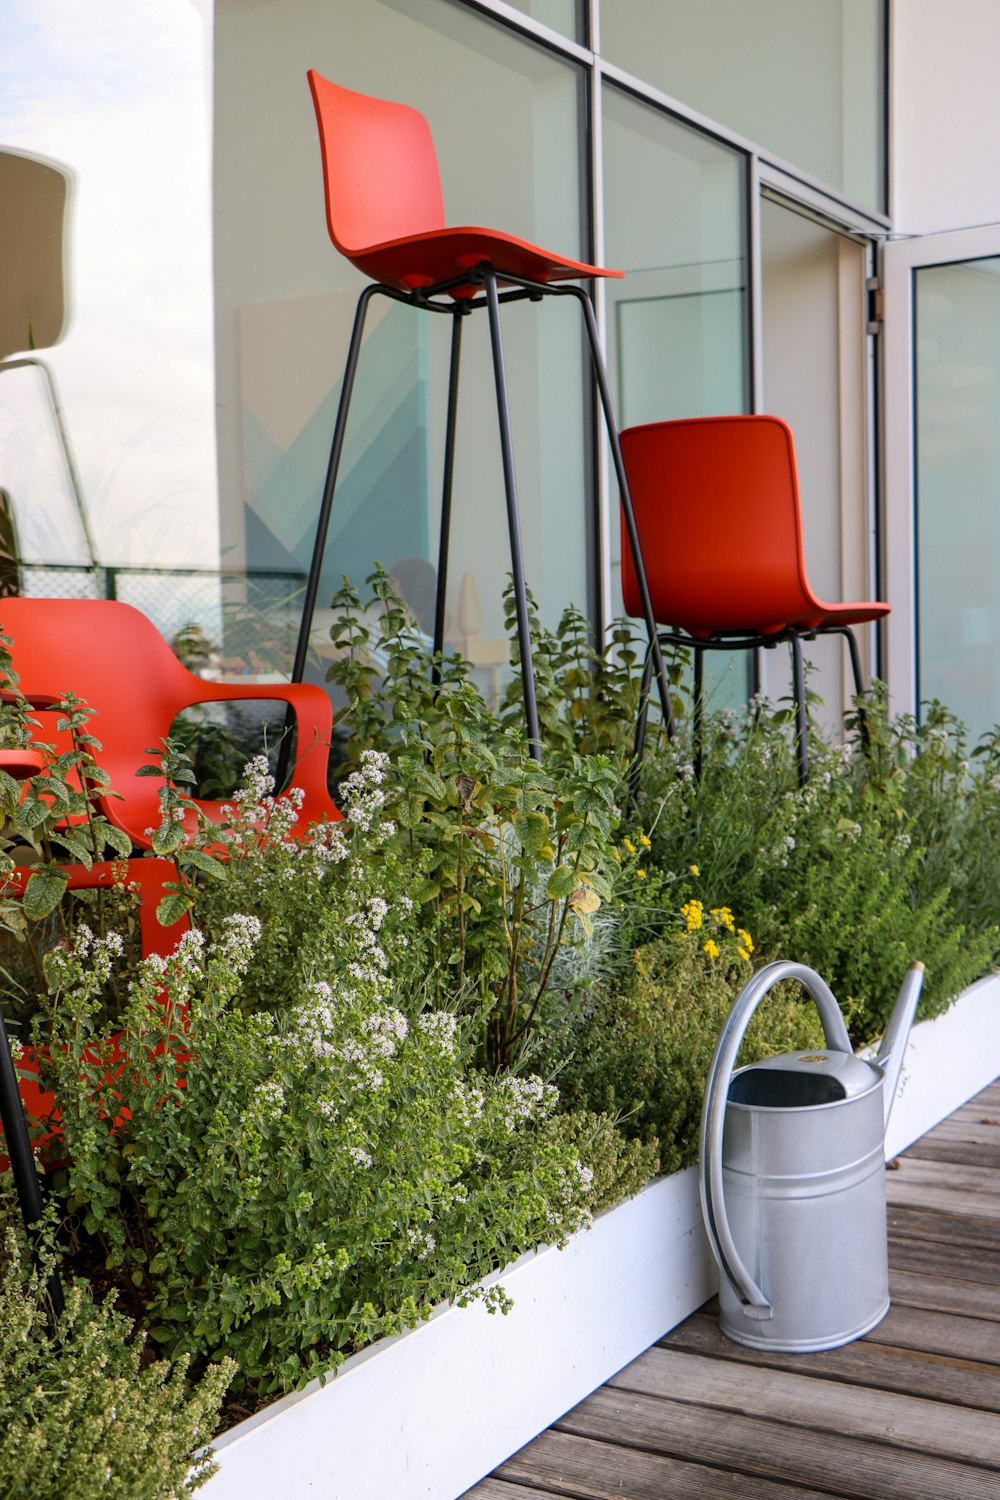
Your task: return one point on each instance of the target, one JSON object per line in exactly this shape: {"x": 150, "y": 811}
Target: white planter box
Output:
{"x": 428, "y": 1413}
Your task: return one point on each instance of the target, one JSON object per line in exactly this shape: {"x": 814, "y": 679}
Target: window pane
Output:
{"x": 566, "y": 16}
{"x": 958, "y": 480}
{"x": 107, "y": 395}
{"x": 505, "y": 116}
{"x": 677, "y": 325}
{"x": 804, "y": 80}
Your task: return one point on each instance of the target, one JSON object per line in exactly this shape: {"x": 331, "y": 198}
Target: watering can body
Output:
{"x": 793, "y": 1177}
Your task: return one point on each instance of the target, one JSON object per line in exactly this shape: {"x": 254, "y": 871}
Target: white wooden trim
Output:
{"x": 425, "y": 1415}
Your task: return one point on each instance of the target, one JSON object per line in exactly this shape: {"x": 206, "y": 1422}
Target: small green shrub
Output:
{"x": 641, "y": 1052}
{"x": 285, "y": 1186}
{"x": 82, "y": 1413}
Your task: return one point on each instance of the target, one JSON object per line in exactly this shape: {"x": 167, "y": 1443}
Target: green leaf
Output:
{"x": 199, "y": 860}
{"x": 168, "y": 838}
{"x": 172, "y": 908}
{"x": 117, "y": 838}
{"x": 561, "y": 883}
{"x": 43, "y": 893}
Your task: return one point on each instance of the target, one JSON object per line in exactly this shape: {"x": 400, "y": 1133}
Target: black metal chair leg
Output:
{"x": 640, "y": 726}
{"x": 22, "y": 1161}
{"x": 631, "y": 528}
{"x": 446, "y": 490}
{"x": 860, "y": 687}
{"x": 323, "y": 520}
{"x": 801, "y": 719}
{"x": 513, "y": 519}
{"x": 698, "y": 711}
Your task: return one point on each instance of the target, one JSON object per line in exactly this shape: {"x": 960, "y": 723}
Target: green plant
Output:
{"x": 82, "y": 1411}
{"x": 509, "y": 858}
{"x": 640, "y": 1051}
{"x": 286, "y": 1186}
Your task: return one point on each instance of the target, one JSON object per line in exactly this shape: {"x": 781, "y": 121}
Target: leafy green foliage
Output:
{"x": 509, "y": 858}
{"x": 286, "y": 1186}
{"x": 640, "y": 1052}
{"x": 82, "y": 1412}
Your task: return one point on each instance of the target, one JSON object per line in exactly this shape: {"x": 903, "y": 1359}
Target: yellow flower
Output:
{"x": 691, "y": 911}
{"x": 724, "y": 917}
{"x": 746, "y": 940}
{"x": 743, "y": 954}
{"x": 645, "y": 842}
{"x": 630, "y": 846}
{"x": 694, "y": 869}
{"x": 711, "y": 948}
{"x": 640, "y": 874}
{"x": 617, "y": 855}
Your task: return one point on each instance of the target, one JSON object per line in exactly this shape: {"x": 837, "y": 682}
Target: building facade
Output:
{"x": 801, "y": 192}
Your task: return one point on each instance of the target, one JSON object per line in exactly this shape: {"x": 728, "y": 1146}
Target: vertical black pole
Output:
{"x": 446, "y": 489}
{"x": 631, "y": 528}
{"x": 513, "y": 519}
{"x": 22, "y": 1161}
{"x": 698, "y": 717}
{"x": 860, "y": 687}
{"x": 326, "y": 505}
{"x": 801, "y": 719}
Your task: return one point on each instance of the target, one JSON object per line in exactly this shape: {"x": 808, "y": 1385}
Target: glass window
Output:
{"x": 800, "y": 78}
{"x": 566, "y": 16}
{"x": 506, "y": 120}
{"x": 958, "y": 480}
{"x": 107, "y": 390}
{"x": 815, "y": 357}
{"x": 677, "y": 325}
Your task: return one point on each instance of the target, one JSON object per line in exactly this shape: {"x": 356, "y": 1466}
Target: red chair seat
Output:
{"x": 424, "y": 260}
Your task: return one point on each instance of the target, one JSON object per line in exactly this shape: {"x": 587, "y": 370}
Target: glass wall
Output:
{"x": 957, "y": 396}
{"x": 174, "y": 319}
{"x": 505, "y": 116}
{"x": 107, "y": 435}
{"x": 803, "y": 78}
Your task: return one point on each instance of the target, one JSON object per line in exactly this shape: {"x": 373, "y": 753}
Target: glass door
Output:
{"x": 815, "y": 375}
{"x": 942, "y": 458}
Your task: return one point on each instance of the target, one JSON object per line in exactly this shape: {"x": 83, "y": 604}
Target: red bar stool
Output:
{"x": 717, "y": 505}
{"x": 385, "y": 214}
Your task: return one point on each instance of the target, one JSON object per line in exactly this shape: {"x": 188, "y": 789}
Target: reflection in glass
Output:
{"x": 107, "y": 433}
{"x": 677, "y": 325}
{"x": 958, "y": 482}
{"x": 805, "y": 81}
{"x": 286, "y": 299}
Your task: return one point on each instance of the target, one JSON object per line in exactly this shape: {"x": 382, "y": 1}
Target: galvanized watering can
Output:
{"x": 793, "y": 1175}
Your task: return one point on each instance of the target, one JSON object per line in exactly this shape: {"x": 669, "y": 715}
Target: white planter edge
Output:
{"x": 424, "y": 1415}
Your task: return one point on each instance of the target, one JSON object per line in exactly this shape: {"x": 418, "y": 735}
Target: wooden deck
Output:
{"x": 911, "y": 1411}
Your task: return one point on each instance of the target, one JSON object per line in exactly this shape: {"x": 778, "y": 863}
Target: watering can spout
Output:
{"x": 890, "y": 1054}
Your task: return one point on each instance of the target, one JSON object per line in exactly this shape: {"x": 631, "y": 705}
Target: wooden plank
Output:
{"x": 883, "y": 1368}
{"x": 933, "y": 1258}
{"x": 962, "y": 1153}
{"x": 806, "y": 1400}
{"x": 498, "y": 1489}
{"x": 987, "y": 1101}
{"x": 962, "y": 1190}
{"x": 938, "y": 1333}
{"x": 567, "y": 1464}
{"x": 848, "y": 1465}
{"x": 979, "y": 1128}
{"x": 943, "y": 1294}
{"x": 948, "y": 1228}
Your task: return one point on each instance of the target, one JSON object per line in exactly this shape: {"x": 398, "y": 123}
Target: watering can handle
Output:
{"x": 714, "y": 1113}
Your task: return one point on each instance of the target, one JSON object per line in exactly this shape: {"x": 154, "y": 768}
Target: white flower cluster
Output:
{"x": 240, "y": 936}
{"x": 440, "y": 1027}
{"x": 521, "y": 1100}
{"x": 420, "y": 1242}
{"x": 364, "y": 797}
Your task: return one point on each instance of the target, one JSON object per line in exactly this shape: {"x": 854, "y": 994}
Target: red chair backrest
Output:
{"x": 379, "y": 166}
{"x": 716, "y": 501}
{"x": 114, "y": 658}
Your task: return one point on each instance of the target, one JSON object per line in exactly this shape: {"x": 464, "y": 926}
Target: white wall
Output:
{"x": 945, "y": 124}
